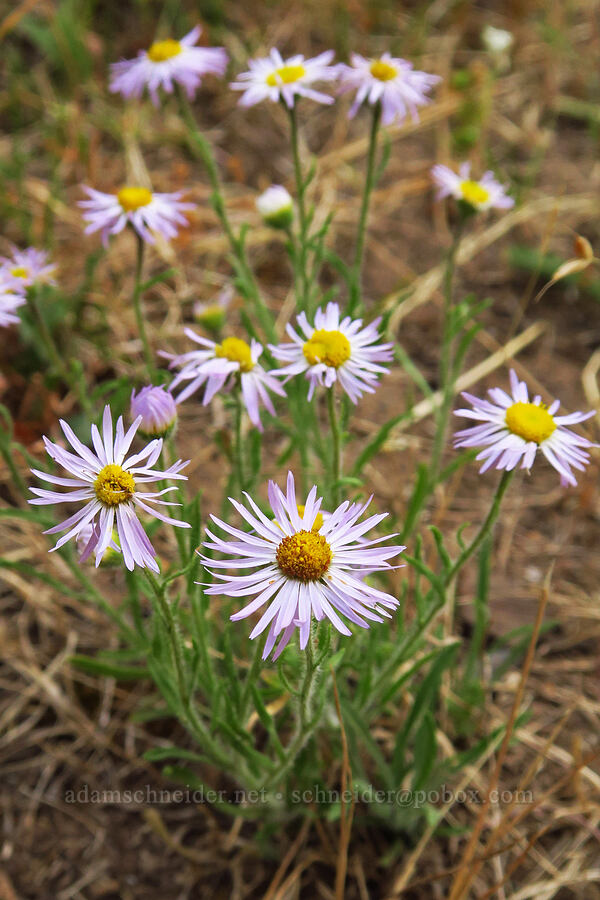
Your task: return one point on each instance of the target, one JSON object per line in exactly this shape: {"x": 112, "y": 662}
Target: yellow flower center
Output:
{"x": 529, "y": 421}
{"x": 236, "y": 350}
{"x": 329, "y": 347}
{"x": 19, "y": 272}
{"x": 383, "y": 71}
{"x": 305, "y": 556}
{"x": 113, "y": 485}
{"x": 163, "y": 50}
{"x": 131, "y": 198}
{"x": 285, "y": 75}
{"x": 473, "y": 193}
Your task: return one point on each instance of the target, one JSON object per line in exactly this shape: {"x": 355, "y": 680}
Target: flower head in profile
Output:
{"x": 335, "y": 349}
{"x": 218, "y": 365}
{"x": 165, "y": 64}
{"x": 29, "y": 266}
{"x": 157, "y": 411}
{"x": 298, "y": 571}
{"x": 12, "y": 296}
{"x": 274, "y": 78}
{"x": 111, "y": 484}
{"x": 213, "y": 313}
{"x": 276, "y": 206}
{"x": 487, "y": 193}
{"x": 514, "y": 428}
{"x": 145, "y": 211}
{"x": 393, "y": 82}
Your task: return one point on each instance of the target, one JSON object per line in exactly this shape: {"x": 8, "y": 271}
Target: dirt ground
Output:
{"x": 63, "y": 732}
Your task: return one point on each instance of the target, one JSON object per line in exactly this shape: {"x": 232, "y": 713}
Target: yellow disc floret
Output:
{"x": 304, "y": 556}
{"x": 382, "y": 70}
{"x": 132, "y": 198}
{"x": 473, "y": 193}
{"x": 163, "y": 50}
{"x": 530, "y": 421}
{"x": 113, "y": 485}
{"x": 236, "y": 350}
{"x": 285, "y": 75}
{"x": 329, "y": 347}
{"x": 19, "y": 272}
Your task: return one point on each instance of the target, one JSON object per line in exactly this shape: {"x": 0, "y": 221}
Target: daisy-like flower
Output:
{"x": 487, "y": 193}
{"x": 157, "y": 411}
{"x": 108, "y": 482}
{"x": 12, "y": 296}
{"x": 393, "y": 82}
{"x": 165, "y": 64}
{"x": 146, "y": 211}
{"x": 301, "y": 571}
{"x": 218, "y": 365}
{"x": 335, "y": 350}
{"x": 29, "y": 266}
{"x": 274, "y": 78}
{"x": 514, "y": 429}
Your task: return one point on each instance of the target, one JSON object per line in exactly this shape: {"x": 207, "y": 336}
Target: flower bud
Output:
{"x": 157, "y": 408}
{"x": 212, "y": 314}
{"x": 276, "y": 207}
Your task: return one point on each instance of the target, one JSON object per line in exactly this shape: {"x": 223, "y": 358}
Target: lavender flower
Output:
{"x": 165, "y": 64}
{"x": 156, "y": 408}
{"x": 487, "y": 193}
{"x": 388, "y": 80}
{"x": 217, "y": 366}
{"x": 138, "y": 206}
{"x": 273, "y": 78}
{"x": 515, "y": 428}
{"x": 29, "y": 266}
{"x": 335, "y": 350}
{"x": 108, "y": 482}
{"x": 299, "y": 571}
{"x": 12, "y": 296}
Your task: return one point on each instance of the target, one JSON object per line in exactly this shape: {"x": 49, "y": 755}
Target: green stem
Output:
{"x": 336, "y": 452}
{"x": 137, "y": 305}
{"x": 171, "y": 454}
{"x": 190, "y": 715}
{"x": 305, "y": 725}
{"x": 356, "y": 282}
{"x": 485, "y": 529}
{"x": 447, "y": 375}
{"x": 302, "y": 297}
{"x": 54, "y": 354}
{"x": 203, "y": 150}
{"x": 239, "y": 440}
